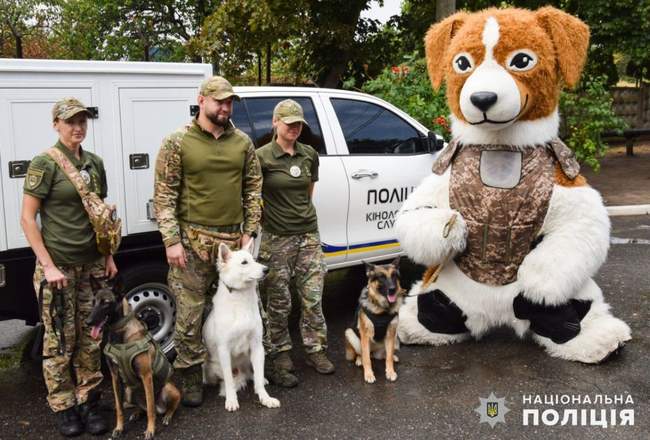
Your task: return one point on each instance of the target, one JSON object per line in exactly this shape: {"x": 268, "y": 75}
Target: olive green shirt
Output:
{"x": 288, "y": 208}
{"x": 67, "y": 233}
{"x": 206, "y": 181}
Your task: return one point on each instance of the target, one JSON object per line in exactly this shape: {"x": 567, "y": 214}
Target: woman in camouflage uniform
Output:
{"x": 66, "y": 257}
{"x": 291, "y": 245}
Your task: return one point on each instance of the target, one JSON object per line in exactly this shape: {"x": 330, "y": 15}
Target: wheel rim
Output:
{"x": 154, "y": 305}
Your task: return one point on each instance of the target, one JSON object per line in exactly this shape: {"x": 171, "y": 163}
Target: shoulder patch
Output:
{"x": 563, "y": 180}
{"x": 34, "y": 177}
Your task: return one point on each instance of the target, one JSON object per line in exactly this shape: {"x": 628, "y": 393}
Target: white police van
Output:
{"x": 372, "y": 155}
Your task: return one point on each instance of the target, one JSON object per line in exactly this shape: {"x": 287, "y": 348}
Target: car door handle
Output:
{"x": 359, "y": 174}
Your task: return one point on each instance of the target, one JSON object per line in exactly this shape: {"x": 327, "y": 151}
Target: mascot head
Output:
{"x": 504, "y": 69}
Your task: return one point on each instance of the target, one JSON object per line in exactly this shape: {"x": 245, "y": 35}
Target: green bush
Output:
{"x": 408, "y": 87}
{"x": 586, "y": 113}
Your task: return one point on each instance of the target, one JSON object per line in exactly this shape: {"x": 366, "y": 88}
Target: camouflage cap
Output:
{"x": 218, "y": 87}
{"x": 289, "y": 111}
{"x": 68, "y": 107}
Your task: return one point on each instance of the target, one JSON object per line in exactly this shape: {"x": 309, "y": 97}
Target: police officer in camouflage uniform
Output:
{"x": 207, "y": 191}
{"x": 66, "y": 257}
{"x": 290, "y": 245}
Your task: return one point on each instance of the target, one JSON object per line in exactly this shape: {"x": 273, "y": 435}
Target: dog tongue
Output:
{"x": 391, "y": 298}
{"x": 96, "y": 330}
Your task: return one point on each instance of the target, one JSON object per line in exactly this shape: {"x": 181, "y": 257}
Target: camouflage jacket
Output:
{"x": 206, "y": 181}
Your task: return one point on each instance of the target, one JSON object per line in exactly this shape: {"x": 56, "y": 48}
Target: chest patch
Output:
{"x": 500, "y": 169}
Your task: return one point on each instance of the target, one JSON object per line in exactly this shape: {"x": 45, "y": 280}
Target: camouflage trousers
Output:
{"x": 190, "y": 287}
{"x": 70, "y": 376}
{"x": 297, "y": 258}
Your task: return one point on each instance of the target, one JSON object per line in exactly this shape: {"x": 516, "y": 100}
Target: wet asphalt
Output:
{"x": 438, "y": 387}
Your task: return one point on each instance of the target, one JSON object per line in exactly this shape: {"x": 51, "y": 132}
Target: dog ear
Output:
{"x": 370, "y": 269}
{"x": 395, "y": 262}
{"x": 436, "y": 42}
{"x": 224, "y": 253}
{"x": 248, "y": 247}
{"x": 117, "y": 286}
{"x": 570, "y": 37}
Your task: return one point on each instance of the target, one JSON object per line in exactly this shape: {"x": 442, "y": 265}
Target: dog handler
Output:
{"x": 66, "y": 257}
{"x": 207, "y": 191}
{"x": 291, "y": 244}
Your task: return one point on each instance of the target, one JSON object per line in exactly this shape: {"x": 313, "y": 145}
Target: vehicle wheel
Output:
{"x": 152, "y": 301}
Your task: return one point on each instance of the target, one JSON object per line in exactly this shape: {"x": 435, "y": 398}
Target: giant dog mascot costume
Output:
{"x": 510, "y": 231}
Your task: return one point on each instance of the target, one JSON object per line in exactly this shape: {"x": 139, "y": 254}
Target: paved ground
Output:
{"x": 623, "y": 180}
{"x": 437, "y": 389}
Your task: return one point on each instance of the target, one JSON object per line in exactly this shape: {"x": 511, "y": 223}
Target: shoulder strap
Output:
{"x": 446, "y": 157}
{"x": 70, "y": 171}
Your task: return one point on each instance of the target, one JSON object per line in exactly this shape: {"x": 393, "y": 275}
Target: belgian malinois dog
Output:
{"x": 134, "y": 359}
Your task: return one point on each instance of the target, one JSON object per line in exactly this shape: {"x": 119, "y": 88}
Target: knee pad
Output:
{"x": 559, "y": 323}
{"x": 438, "y": 314}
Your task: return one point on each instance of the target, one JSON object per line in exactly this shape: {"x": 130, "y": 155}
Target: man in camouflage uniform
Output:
{"x": 291, "y": 245}
{"x": 207, "y": 191}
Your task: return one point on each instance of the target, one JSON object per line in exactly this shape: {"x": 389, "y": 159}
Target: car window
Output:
{"x": 371, "y": 129}
{"x": 254, "y": 116}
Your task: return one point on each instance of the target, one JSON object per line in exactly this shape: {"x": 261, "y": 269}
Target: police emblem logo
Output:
{"x": 85, "y": 176}
{"x": 492, "y": 410}
{"x": 295, "y": 171}
{"x": 34, "y": 178}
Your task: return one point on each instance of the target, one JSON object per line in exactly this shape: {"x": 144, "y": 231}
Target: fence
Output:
{"x": 633, "y": 105}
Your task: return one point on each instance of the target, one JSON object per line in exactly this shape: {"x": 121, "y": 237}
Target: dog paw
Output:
{"x": 117, "y": 433}
{"x": 270, "y": 402}
{"x": 149, "y": 435}
{"x": 135, "y": 416}
{"x": 395, "y": 358}
{"x": 232, "y": 405}
{"x": 391, "y": 376}
{"x": 166, "y": 420}
{"x": 369, "y": 377}
{"x": 358, "y": 362}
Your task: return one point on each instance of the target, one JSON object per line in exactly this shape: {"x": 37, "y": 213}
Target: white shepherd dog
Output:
{"x": 233, "y": 330}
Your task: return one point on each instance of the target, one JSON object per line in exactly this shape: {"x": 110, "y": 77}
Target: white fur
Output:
{"x": 520, "y": 133}
{"x": 421, "y": 220}
{"x": 233, "y": 330}
{"x": 575, "y": 245}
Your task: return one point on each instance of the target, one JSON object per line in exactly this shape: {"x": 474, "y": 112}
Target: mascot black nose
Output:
{"x": 483, "y": 100}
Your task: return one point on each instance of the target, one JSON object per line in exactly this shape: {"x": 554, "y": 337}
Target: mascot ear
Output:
{"x": 436, "y": 42}
{"x": 570, "y": 38}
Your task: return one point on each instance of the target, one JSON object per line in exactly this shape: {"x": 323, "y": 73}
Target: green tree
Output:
{"x": 19, "y": 20}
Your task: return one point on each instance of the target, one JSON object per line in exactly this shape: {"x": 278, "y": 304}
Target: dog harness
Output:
{"x": 503, "y": 193}
{"x": 380, "y": 322}
{"x": 123, "y": 355}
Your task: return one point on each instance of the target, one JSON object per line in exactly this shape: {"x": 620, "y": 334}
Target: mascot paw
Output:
{"x": 429, "y": 235}
{"x": 411, "y": 331}
{"x": 601, "y": 336}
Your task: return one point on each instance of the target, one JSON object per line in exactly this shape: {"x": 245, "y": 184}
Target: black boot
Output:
{"x": 92, "y": 417}
{"x": 69, "y": 422}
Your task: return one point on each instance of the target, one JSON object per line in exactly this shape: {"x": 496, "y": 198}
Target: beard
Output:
{"x": 218, "y": 120}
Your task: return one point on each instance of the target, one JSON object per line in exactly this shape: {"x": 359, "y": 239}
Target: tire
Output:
{"x": 152, "y": 301}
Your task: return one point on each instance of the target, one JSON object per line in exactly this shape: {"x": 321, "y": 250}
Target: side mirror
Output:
{"x": 435, "y": 142}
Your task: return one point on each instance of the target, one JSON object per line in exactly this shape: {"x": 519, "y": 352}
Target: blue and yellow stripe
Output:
{"x": 334, "y": 251}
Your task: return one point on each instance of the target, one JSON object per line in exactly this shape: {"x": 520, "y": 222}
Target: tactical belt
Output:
{"x": 217, "y": 228}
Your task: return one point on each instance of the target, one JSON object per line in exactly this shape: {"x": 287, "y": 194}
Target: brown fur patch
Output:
{"x": 563, "y": 180}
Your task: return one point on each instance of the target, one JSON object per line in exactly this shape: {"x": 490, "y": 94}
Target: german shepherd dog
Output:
{"x": 124, "y": 329}
{"x": 374, "y": 328}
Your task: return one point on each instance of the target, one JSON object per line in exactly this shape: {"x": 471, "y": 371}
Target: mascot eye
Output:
{"x": 244, "y": 262}
{"x": 463, "y": 63}
{"x": 522, "y": 61}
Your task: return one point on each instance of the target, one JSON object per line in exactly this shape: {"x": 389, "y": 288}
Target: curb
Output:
{"x": 615, "y": 211}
